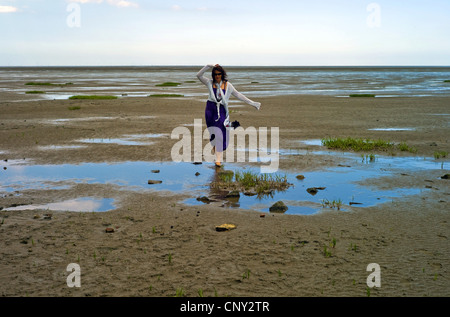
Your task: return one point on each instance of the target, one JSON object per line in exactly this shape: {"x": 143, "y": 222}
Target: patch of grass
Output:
{"x": 362, "y": 95}
{"x": 74, "y": 108}
{"x": 166, "y": 95}
{"x": 333, "y": 243}
{"x": 440, "y": 154}
{"x": 447, "y": 81}
{"x": 368, "y": 157}
{"x": 357, "y": 144}
{"x": 353, "y": 247}
{"x": 168, "y": 84}
{"x": 226, "y": 176}
{"x": 35, "y": 92}
{"x": 249, "y": 181}
{"x": 405, "y": 147}
{"x": 95, "y": 97}
{"x": 180, "y": 292}
{"x": 332, "y": 203}
{"x": 45, "y": 84}
{"x": 39, "y": 84}
{"x": 326, "y": 252}
{"x": 190, "y": 81}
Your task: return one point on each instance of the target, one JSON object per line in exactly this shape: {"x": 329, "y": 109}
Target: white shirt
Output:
{"x": 230, "y": 90}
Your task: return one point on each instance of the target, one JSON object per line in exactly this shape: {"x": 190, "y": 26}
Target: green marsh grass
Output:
{"x": 45, "y": 84}
{"x": 333, "y": 243}
{"x": 333, "y": 204}
{"x": 35, "y": 92}
{"x": 180, "y": 292}
{"x": 362, "y": 95}
{"x": 440, "y": 154}
{"x": 166, "y": 95}
{"x": 368, "y": 157}
{"x": 447, "y": 81}
{"x": 357, "y": 144}
{"x": 246, "y": 274}
{"x": 406, "y": 148}
{"x": 365, "y": 145}
{"x": 168, "y": 84}
{"x": 247, "y": 180}
{"x": 326, "y": 252}
{"x": 74, "y": 108}
{"x": 92, "y": 97}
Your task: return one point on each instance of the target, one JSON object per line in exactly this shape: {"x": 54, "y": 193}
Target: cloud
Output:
{"x": 176, "y": 7}
{"x": 123, "y": 3}
{"x": 116, "y": 3}
{"x": 8, "y": 9}
{"x": 87, "y": 1}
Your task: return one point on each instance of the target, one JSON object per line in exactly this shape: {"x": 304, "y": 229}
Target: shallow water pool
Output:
{"x": 341, "y": 183}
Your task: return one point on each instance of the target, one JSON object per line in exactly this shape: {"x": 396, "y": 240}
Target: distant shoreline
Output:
{"x": 235, "y": 66}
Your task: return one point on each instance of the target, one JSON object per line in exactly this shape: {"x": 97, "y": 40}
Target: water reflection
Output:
{"x": 85, "y": 204}
{"x": 340, "y": 183}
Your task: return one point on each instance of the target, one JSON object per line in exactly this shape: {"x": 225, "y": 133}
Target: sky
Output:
{"x": 233, "y": 32}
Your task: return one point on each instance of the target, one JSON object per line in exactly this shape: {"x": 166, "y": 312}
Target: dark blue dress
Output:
{"x": 219, "y": 141}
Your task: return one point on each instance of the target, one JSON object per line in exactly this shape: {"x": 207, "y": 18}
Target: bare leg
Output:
{"x": 219, "y": 158}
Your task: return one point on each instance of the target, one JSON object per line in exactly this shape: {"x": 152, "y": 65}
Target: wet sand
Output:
{"x": 161, "y": 247}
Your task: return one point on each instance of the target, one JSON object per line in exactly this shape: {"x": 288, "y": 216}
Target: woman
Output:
{"x": 216, "y": 112}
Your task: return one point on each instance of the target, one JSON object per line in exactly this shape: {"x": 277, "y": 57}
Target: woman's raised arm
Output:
{"x": 200, "y": 75}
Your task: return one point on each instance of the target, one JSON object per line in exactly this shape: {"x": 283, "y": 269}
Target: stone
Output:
{"x": 47, "y": 216}
{"x": 204, "y": 199}
{"x": 151, "y": 182}
{"x": 109, "y": 230}
{"x": 279, "y": 207}
{"x": 446, "y": 176}
{"x": 233, "y": 194}
{"x": 155, "y": 171}
{"x": 300, "y": 177}
{"x": 314, "y": 190}
{"x": 225, "y": 227}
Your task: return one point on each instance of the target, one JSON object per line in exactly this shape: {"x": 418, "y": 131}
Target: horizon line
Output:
{"x": 201, "y": 65}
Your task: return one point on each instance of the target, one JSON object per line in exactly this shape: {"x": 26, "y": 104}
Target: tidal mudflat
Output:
{"x": 133, "y": 237}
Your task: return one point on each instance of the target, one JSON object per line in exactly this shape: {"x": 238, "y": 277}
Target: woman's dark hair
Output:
{"x": 219, "y": 69}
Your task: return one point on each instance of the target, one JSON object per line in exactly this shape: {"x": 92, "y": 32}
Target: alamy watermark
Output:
{"x": 374, "y": 18}
{"x": 374, "y": 278}
{"x": 74, "y": 278}
{"x": 257, "y": 149}
{"x": 74, "y": 18}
